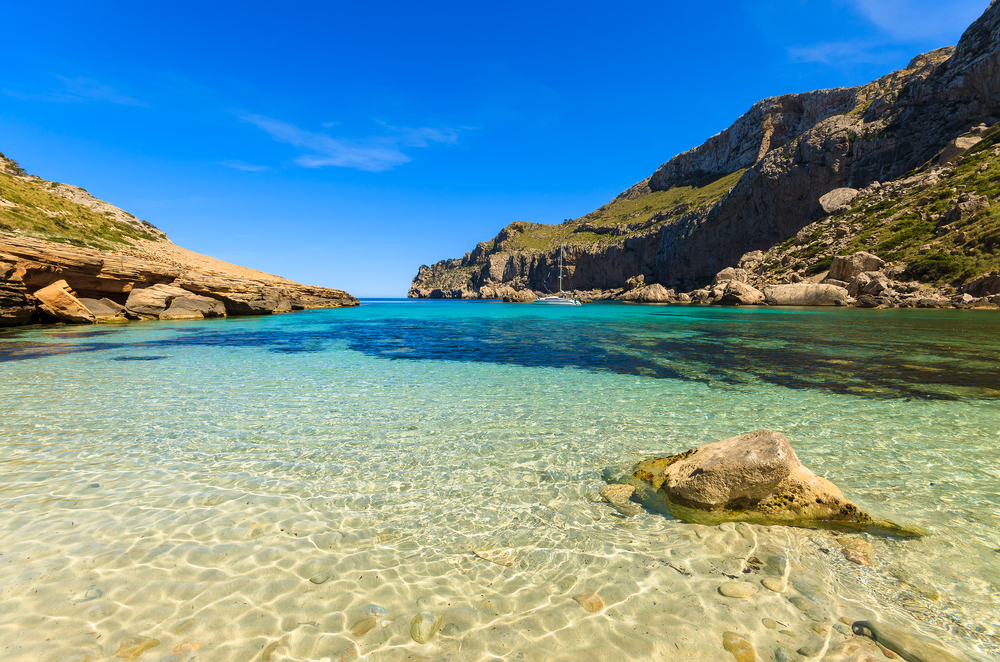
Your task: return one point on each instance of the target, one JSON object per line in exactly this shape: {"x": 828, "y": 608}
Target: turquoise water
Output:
{"x": 302, "y": 486}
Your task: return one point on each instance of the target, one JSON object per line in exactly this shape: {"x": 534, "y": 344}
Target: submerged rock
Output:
{"x": 592, "y": 602}
{"x": 741, "y": 649}
{"x": 132, "y": 647}
{"x": 737, "y": 589}
{"x": 424, "y": 625}
{"x": 755, "y": 477}
{"x": 911, "y": 647}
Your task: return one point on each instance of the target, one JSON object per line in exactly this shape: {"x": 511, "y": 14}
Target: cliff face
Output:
{"x": 678, "y": 227}
{"x": 104, "y": 263}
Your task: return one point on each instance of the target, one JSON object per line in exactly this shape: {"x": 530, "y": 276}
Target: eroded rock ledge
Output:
{"x": 44, "y": 281}
{"x": 755, "y": 478}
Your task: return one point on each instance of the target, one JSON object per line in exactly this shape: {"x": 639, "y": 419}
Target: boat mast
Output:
{"x": 560, "y": 268}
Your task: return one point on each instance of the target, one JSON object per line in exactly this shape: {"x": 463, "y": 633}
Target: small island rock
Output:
{"x": 754, "y": 477}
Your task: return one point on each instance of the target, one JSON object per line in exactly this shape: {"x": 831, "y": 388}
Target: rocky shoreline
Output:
{"x": 906, "y": 168}
{"x": 861, "y": 280}
{"x": 45, "y": 282}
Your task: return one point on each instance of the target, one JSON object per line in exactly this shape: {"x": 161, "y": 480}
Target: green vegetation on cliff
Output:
{"x": 622, "y": 216}
{"x": 29, "y": 206}
{"x": 945, "y": 229}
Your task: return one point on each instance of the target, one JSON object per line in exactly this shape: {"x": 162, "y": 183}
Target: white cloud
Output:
{"x": 373, "y": 154}
{"x": 853, "y": 52}
{"x": 87, "y": 89}
{"x": 245, "y": 167}
{"x": 79, "y": 90}
{"x": 912, "y": 20}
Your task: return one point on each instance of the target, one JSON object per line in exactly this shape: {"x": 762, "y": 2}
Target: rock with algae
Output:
{"x": 424, "y": 625}
{"x": 132, "y": 647}
{"x": 911, "y": 647}
{"x": 754, "y": 477}
{"x": 741, "y": 649}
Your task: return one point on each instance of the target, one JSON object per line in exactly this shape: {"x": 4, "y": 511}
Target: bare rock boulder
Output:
{"x": 805, "y": 294}
{"x": 740, "y": 294}
{"x": 167, "y": 302}
{"x": 754, "y": 477}
{"x": 846, "y": 267}
{"x": 105, "y": 310}
{"x": 730, "y": 274}
{"x": 985, "y": 285}
{"x": 837, "y": 199}
{"x": 654, "y": 293}
{"x": 193, "y": 306}
{"x": 59, "y": 301}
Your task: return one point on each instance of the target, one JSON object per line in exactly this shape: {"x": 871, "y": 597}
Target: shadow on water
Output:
{"x": 884, "y": 358}
{"x": 139, "y": 358}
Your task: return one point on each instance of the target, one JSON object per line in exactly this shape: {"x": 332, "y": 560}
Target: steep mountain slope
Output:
{"x": 751, "y": 187}
{"x": 99, "y": 258}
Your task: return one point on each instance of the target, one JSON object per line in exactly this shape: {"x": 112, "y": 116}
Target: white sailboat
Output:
{"x": 559, "y": 299}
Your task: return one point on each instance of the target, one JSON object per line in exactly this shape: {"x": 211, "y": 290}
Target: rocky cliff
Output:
{"x": 753, "y": 186}
{"x": 67, "y": 256}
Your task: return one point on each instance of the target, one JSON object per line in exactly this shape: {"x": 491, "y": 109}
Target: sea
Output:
{"x": 419, "y": 480}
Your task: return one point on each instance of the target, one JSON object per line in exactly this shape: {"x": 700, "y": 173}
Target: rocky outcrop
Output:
{"x": 105, "y": 311}
{"x": 166, "y": 302}
{"x": 59, "y": 301}
{"x": 798, "y": 157}
{"x": 16, "y": 306}
{"x": 95, "y": 282}
{"x": 805, "y": 294}
{"x": 847, "y": 267}
{"x": 755, "y": 477}
{"x": 837, "y": 199}
{"x": 738, "y": 293}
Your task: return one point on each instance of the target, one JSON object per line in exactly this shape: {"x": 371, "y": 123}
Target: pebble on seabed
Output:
{"x": 376, "y": 610}
{"x": 770, "y": 623}
{"x": 738, "y": 589}
{"x": 782, "y": 654}
{"x": 775, "y": 584}
{"x": 132, "y": 647}
{"x": 592, "y": 602}
{"x": 424, "y": 625}
{"x": 363, "y": 626}
{"x": 741, "y": 649}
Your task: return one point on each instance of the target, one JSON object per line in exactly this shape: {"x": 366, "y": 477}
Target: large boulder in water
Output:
{"x": 754, "y": 477}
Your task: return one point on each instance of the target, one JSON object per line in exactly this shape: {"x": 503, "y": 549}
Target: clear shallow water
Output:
{"x": 192, "y": 482}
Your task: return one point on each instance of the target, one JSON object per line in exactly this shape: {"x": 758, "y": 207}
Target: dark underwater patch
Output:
{"x": 139, "y": 358}
{"x": 861, "y": 353}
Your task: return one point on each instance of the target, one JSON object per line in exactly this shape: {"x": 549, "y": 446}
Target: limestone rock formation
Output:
{"x": 59, "y": 301}
{"x": 105, "y": 310}
{"x": 740, "y": 294}
{"x": 846, "y": 268}
{"x": 16, "y": 305}
{"x": 167, "y": 281}
{"x": 166, "y": 302}
{"x": 106, "y": 254}
{"x": 788, "y": 163}
{"x": 755, "y": 477}
{"x": 837, "y": 199}
{"x": 805, "y": 294}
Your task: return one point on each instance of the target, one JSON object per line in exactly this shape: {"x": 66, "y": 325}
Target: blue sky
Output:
{"x": 345, "y": 145}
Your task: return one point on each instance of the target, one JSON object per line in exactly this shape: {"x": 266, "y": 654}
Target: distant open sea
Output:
{"x": 303, "y": 486}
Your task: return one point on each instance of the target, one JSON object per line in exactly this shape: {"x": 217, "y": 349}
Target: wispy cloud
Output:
{"x": 849, "y": 52}
{"x": 912, "y": 20}
{"x": 373, "y": 154}
{"x": 895, "y": 27}
{"x": 78, "y": 90}
{"x": 245, "y": 167}
{"x": 86, "y": 89}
